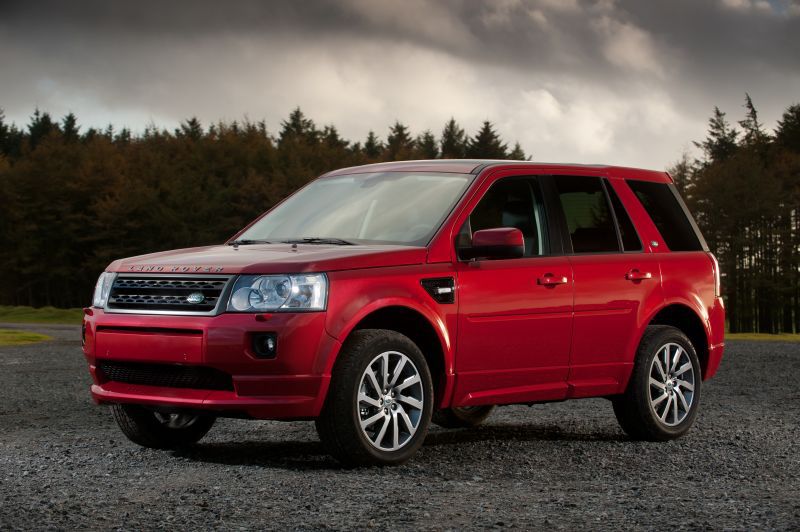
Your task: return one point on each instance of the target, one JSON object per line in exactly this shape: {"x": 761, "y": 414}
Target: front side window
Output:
{"x": 404, "y": 208}
{"x": 511, "y": 202}
{"x": 588, "y": 214}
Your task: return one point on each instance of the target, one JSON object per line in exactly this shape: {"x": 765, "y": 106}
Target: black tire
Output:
{"x": 637, "y": 417}
{"x": 148, "y": 428}
{"x": 464, "y": 417}
{"x": 339, "y": 424}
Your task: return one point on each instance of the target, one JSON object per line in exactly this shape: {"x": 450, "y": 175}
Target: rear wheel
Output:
{"x": 463, "y": 417}
{"x": 379, "y": 404}
{"x": 156, "y": 430}
{"x": 663, "y": 395}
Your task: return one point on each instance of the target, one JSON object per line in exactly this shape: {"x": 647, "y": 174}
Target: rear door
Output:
{"x": 515, "y": 315}
{"x": 616, "y": 280}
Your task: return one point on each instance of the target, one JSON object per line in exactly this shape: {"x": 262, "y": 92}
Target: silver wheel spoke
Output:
{"x": 402, "y": 412}
{"x": 683, "y": 399}
{"x": 374, "y": 381}
{"x": 666, "y": 410}
{"x": 406, "y": 383}
{"x": 397, "y": 370}
{"x": 686, "y": 385}
{"x": 674, "y": 410}
{"x": 657, "y": 384}
{"x": 371, "y": 420}
{"x": 410, "y": 401}
{"x": 364, "y": 398}
{"x": 385, "y": 364}
{"x": 660, "y": 369}
{"x": 660, "y": 400}
{"x": 683, "y": 369}
{"x": 395, "y": 430}
{"x": 675, "y": 358}
{"x": 382, "y": 433}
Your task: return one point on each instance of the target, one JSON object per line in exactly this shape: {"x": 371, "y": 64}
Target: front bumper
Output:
{"x": 293, "y": 385}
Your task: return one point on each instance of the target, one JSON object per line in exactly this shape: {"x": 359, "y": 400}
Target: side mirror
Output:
{"x": 498, "y": 243}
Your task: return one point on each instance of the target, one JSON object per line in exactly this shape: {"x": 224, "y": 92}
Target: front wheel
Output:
{"x": 379, "y": 402}
{"x": 153, "y": 429}
{"x": 663, "y": 395}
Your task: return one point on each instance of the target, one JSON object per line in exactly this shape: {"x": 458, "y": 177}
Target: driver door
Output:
{"x": 515, "y": 315}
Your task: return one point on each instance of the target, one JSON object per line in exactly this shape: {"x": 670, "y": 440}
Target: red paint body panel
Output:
{"x": 520, "y": 330}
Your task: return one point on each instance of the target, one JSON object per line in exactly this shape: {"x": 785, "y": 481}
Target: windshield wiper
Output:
{"x": 247, "y": 242}
{"x": 318, "y": 240}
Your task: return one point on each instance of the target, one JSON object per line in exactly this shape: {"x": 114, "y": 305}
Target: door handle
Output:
{"x": 636, "y": 275}
{"x": 549, "y": 279}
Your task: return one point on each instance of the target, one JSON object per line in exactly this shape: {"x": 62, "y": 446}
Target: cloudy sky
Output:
{"x": 625, "y": 82}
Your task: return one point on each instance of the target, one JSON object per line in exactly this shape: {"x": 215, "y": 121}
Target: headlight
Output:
{"x": 102, "y": 289}
{"x": 259, "y": 293}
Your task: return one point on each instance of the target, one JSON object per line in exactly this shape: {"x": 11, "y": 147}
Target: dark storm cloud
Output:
{"x": 624, "y": 81}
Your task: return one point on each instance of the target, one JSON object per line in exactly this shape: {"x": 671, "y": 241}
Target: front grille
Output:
{"x": 166, "y": 375}
{"x": 199, "y": 295}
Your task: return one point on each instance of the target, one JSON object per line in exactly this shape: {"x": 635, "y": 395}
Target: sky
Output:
{"x": 627, "y": 82}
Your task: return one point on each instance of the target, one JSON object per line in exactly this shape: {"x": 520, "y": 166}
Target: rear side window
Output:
{"x": 627, "y": 233}
{"x": 588, "y": 214}
{"x": 667, "y": 212}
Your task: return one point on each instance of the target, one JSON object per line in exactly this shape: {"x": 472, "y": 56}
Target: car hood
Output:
{"x": 271, "y": 258}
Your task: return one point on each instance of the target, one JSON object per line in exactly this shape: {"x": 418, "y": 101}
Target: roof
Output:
{"x": 476, "y": 166}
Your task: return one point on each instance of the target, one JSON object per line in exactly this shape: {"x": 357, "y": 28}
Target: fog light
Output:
{"x": 265, "y": 345}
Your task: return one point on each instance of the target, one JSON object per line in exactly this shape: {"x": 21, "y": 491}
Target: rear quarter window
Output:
{"x": 668, "y": 213}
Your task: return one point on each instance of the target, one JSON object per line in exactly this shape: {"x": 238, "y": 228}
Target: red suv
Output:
{"x": 379, "y": 298}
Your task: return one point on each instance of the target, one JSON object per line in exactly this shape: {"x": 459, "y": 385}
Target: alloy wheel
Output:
{"x": 671, "y": 385}
{"x": 390, "y": 401}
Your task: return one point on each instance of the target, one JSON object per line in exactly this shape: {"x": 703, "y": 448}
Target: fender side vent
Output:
{"x": 441, "y": 289}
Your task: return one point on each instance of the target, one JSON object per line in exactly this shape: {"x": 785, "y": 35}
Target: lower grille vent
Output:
{"x": 166, "y": 375}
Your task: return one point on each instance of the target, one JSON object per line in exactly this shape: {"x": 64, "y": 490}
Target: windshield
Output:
{"x": 387, "y": 207}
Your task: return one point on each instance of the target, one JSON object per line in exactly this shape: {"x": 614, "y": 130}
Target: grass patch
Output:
{"x": 72, "y": 316}
{"x": 763, "y": 337}
{"x": 9, "y": 337}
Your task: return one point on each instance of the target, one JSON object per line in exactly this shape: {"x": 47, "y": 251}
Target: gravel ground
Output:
{"x": 64, "y": 464}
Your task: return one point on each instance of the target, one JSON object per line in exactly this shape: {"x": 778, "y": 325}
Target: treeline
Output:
{"x": 745, "y": 194}
{"x": 71, "y": 201}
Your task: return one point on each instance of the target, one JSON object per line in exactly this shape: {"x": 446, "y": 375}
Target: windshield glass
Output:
{"x": 387, "y": 207}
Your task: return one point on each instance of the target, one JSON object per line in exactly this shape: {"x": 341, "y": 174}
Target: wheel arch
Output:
{"x": 426, "y": 331}
{"x": 688, "y": 320}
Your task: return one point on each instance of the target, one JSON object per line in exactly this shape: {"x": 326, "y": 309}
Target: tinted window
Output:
{"x": 510, "y": 203}
{"x": 627, "y": 233}
{"x": 589, "y": 222}
{"x": 667, "y": 213}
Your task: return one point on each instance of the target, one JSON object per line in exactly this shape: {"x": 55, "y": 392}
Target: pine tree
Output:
{"x": 399, "y": 144}
{"x": 4, "y": 130}
{"x": 40, "y": 127}
{"x": 453, "y": 145}
{"x": 486, "y": 144}
{"x": 682, "y": 173}
{"x": 298, "y": 128}
{"x": 427, "y": 147}
{"x": 332, "y": 139}
{"x": 754, "y": 134}
{"x": 517, "y": 154}
{"x": 787, "y": 134}
{"x": 69, "y": 128}
{"x": 191, "y": 129}
{"x": 373, "y": 147}
{"x": 720, "y": 143}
